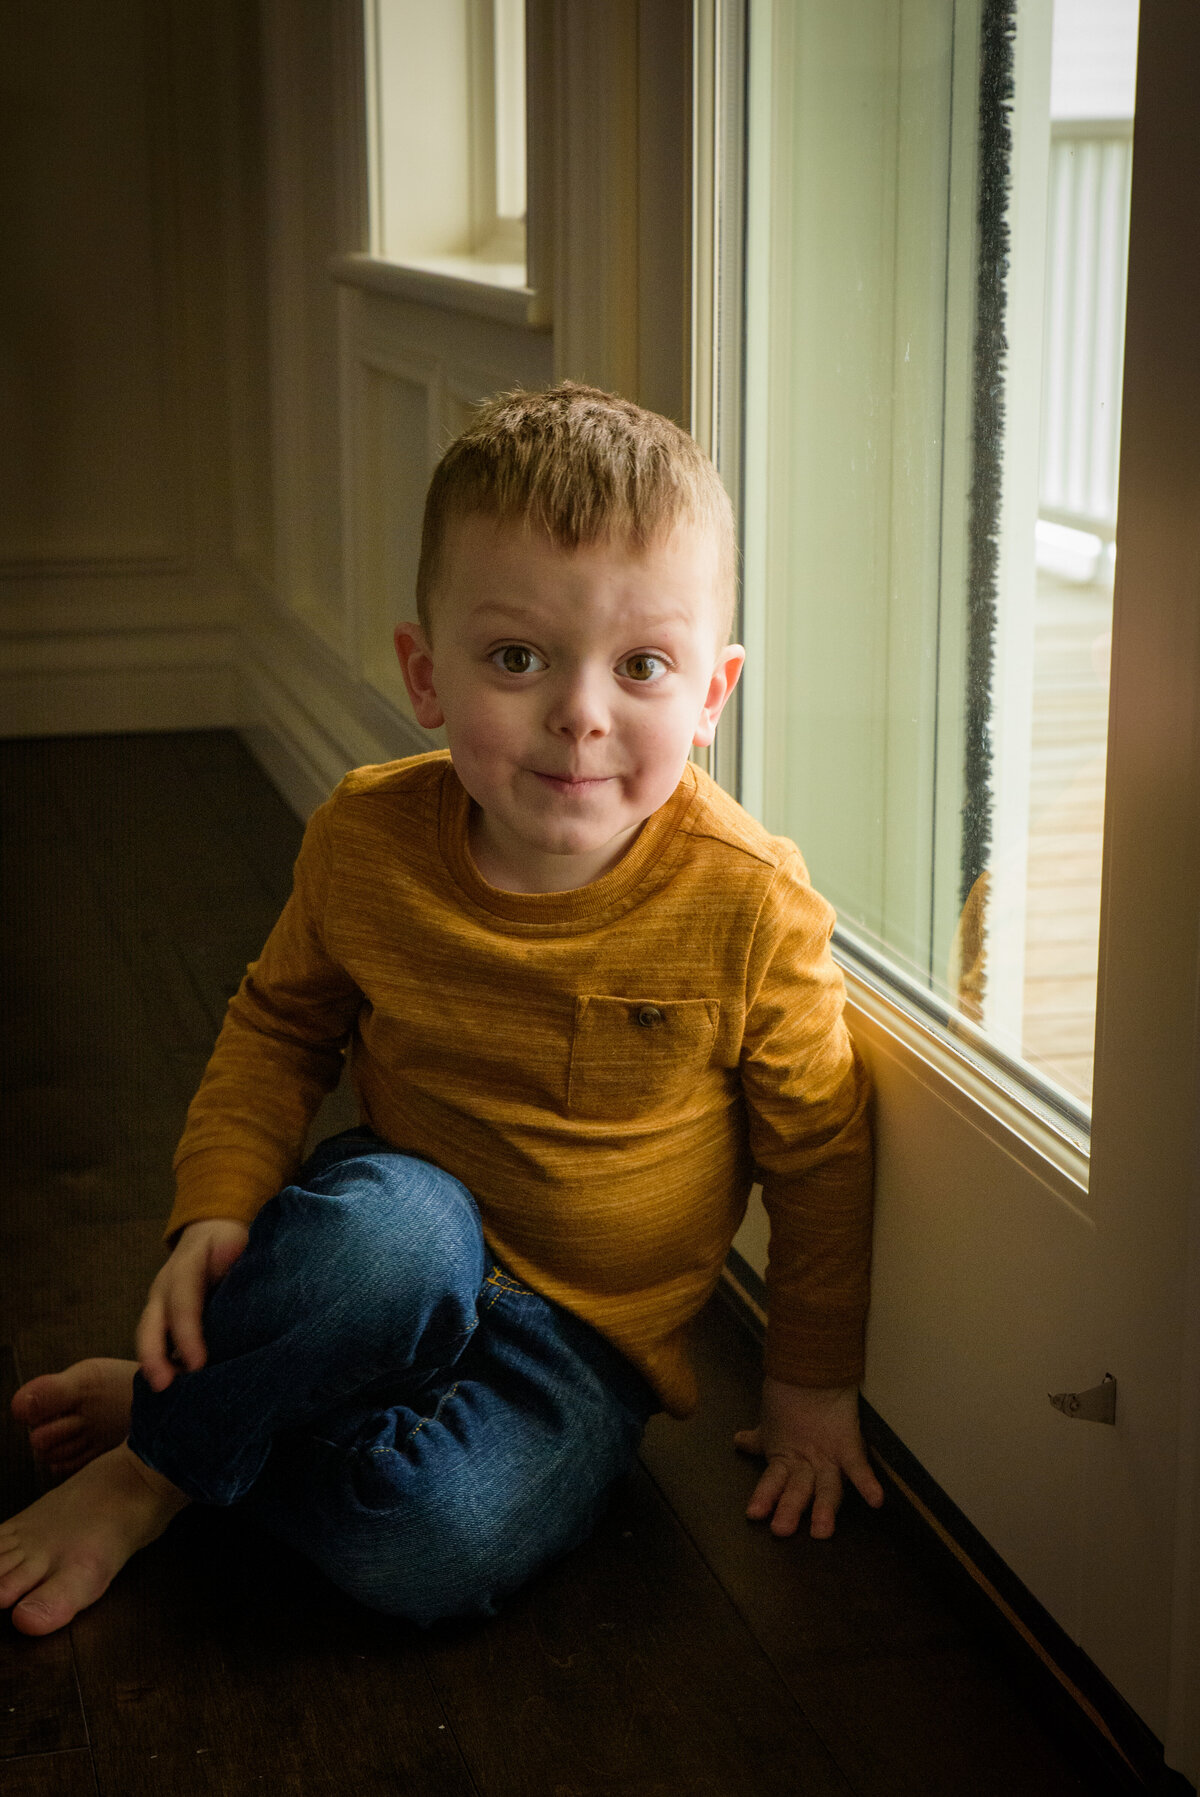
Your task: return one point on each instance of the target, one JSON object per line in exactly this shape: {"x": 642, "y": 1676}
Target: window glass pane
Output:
{"x": 509, "y": 31}
{"x": 937, "y": 220}
{"x": 446, "y": 131}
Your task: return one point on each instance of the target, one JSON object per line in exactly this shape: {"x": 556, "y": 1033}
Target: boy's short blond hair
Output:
{"x": 586, "y": 467}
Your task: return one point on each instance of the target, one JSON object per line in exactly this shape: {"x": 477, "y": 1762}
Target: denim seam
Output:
{"x": 421, "y": 1421}
{"x": 503, "y": 1285}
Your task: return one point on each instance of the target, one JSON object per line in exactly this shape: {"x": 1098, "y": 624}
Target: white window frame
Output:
{"x": 446, "y": 158}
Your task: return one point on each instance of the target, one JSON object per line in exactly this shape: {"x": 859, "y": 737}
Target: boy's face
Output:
{"x": 572, "y": 684}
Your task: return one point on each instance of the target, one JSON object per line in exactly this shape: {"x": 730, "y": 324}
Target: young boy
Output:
{"x": 586, "y": 999}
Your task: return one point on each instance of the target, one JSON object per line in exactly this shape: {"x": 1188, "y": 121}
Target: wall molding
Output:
{"x": 90, "y": 562}
{"x": 429, "y": 286}
{"x": 119, "y": 681}
{"x": 303, "y": 715}
{"x": 307, "y": 719}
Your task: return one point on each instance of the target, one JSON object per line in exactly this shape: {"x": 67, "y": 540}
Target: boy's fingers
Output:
{"x": 170, "y": 1330}
{"x": 783, "y": 1494}
{"x": 787, "y": 1488}
{"x": 151, "y": 1343}
{"x": 748, "y": 1441}
{"x": 862, "y": 1476}
{"x": 187, "y": 1336}
{"x": 827, "y": 1496}
{"x": 765, "y": 1495}
{"x": 794, "y": 1498}
{"x": 158, "y": 1372}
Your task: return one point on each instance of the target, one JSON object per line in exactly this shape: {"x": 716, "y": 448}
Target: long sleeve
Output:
{"x": 504, "y": 1037}
{"x": 279, "y": 1052}
{"x": 808, "y": 1103}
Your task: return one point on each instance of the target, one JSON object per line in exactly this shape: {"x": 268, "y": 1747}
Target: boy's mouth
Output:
{"x": 575, "y": 783}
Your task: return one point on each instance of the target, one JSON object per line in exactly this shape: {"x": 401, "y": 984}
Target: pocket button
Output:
{"x": 648, "y": 1016}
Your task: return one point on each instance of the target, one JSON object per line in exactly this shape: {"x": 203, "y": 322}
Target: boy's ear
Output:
{"x": 416, "y": 664}
{"x": 724, "y": 679}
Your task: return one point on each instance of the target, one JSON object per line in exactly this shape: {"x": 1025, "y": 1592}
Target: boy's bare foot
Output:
{"x": 64, "y": 1551}
{"x": 75, "y": 1415}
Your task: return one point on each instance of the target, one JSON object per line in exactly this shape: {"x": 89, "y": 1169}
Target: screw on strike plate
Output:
{"x": 1099, "y": 1405}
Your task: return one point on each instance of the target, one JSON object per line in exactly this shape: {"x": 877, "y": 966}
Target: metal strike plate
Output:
{"x": 1099, "y": 1405}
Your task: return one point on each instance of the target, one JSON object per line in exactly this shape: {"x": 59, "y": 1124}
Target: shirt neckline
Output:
{"x": 611, "y": 894}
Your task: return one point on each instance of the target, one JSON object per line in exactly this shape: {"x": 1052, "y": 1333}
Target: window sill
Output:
{"x": 494, "y": 290}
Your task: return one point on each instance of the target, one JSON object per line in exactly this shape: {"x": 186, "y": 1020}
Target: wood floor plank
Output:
{"x": 61, "y": 983}
{"x": 49, "y": 1775}
{"x": 183, "y": 903}
{"x": 873, "y": 1652}
{"x": 84, "y": 1296}
{"x": 625, "y": 1672}
{"x": 79, "y": 1061}
{"x": 225, "y": 778}
{"x": 220, "y": 1663}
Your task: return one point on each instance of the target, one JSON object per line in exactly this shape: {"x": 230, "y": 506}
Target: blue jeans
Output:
{"x": 387, "y": 1400}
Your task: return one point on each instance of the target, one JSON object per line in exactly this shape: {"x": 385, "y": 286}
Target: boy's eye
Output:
{"x": 515, "y": 658}
{"x": 643, "y": 667}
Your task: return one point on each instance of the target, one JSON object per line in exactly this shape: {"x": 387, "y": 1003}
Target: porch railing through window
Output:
{"x": 1088, "y": 239}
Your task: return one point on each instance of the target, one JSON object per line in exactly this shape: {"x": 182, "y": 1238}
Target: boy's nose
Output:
{"x": 578, "y": 709}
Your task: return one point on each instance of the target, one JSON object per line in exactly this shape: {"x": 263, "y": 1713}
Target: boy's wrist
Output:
{"x": 223, "y": 1226}
{"x": 230, "y": 1185}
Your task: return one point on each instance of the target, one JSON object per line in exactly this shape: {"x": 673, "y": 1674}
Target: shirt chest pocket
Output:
{"x": 632, "y": 1055}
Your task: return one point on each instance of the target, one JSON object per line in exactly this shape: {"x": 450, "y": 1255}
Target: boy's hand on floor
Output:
{"x": 809, "y": 1437}
{"x": 169, "y": 1334}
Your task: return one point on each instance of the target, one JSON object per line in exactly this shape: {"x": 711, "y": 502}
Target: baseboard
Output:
{"x": 291, "y": 774}
{"x": 304, "y": 715}
{"x": 309, "y": 719}
{"x": 1068, "y": 1688}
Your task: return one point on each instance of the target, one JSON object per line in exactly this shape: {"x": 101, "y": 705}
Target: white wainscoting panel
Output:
{"x": 391, "y": 420}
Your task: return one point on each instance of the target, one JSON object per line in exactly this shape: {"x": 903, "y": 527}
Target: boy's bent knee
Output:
{"x": 439, "y": 1575}
{"x": 453, "y": 1550}
{"x": 370, "y": 1208}
{"x": 386, "y": 1251}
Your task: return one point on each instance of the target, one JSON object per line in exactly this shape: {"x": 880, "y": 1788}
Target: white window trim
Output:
{"x": 491, "y": 276}
{"x": 446, "y": 283}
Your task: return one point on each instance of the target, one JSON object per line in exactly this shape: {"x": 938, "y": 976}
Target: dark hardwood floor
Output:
{"x": 681, "y": 1651}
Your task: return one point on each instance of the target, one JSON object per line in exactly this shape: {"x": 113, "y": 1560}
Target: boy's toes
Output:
{"x": 27, "y": 1403}
{"x": 19, "y": 1574}
{"x": 57, "y": 1440}
{"x": 10, "y": 1558}
{"x": 77, "y": 1414}
{"x": 53, "y": 1603}
{"x": 44, "y": 1590}
{"x": 63, "y": 1466}
{"x": 47, "y": 1398}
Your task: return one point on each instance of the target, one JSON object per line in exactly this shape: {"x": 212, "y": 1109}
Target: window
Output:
{"x": 937, "y": 218}
{"x": 446, "y": 136}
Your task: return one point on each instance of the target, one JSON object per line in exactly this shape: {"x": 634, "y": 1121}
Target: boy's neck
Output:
{"x": 528, "y": 871}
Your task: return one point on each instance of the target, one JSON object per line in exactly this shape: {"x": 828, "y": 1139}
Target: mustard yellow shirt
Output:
{"x": 605, "y": 1070}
